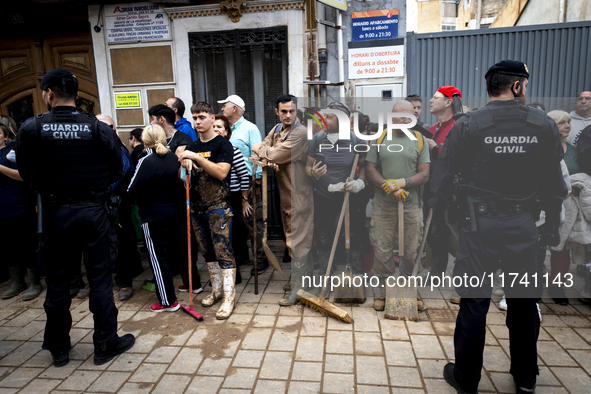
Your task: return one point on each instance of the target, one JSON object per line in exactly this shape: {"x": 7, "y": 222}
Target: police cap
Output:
{"x": 53, "y": 76}
{"x": 509, "y": 67}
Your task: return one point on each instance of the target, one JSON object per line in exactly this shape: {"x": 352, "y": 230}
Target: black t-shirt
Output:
{"x": 207, "y": 192}
{"x": 178, "y": 139}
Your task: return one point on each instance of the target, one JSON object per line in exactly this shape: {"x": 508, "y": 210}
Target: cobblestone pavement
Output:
{"x": 264, "y": 348}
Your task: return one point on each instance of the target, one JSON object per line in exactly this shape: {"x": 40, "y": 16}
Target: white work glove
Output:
{"x": 354, "y": 186}
{"x": 337, "y": 187}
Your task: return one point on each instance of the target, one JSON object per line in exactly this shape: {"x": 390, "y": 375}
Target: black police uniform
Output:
{"x": 71, "y": 159}
{"x": 508, "y": 156}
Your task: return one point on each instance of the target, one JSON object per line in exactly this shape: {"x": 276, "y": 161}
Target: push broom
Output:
{"x": 189, "y": 309}
{"x": 320, "y": 303}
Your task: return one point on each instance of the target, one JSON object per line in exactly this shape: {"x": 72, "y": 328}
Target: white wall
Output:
{"x": 180, "y": 28}
{"x": 293, "y": 19}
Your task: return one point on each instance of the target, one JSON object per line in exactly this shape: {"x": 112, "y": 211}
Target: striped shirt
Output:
{"x": 239, "y": 173}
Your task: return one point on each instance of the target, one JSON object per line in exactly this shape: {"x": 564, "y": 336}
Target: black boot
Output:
{"x": 105, "y": 353}
{"x": 18, "y": 282}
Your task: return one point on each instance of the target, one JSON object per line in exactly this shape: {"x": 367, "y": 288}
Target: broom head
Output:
{"x": 192, "y": 312}
{"x": 323, "y": 306}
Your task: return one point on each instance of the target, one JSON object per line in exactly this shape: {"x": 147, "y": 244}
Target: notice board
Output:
{"x": 136, "y": 22}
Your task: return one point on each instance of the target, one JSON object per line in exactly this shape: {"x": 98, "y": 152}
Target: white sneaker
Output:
{"x": 503, "y": 304}
{"x": 183, "y": 289}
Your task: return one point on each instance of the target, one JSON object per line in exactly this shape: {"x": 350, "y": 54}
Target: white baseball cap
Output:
{"x": 234, "y": 99}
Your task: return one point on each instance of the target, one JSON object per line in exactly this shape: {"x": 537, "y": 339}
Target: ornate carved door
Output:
{"x": 23, "y": 62}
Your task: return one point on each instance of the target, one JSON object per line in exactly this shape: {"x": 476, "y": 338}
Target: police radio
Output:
{"x": 457, "y": 107}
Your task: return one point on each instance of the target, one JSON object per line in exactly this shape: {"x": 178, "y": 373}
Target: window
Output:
{"x": 448, "y": 27}
{"x": 450, "y": 9}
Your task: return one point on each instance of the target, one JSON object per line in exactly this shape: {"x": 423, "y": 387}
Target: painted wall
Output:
{"x": 547, "y": 11}
{"x": 429, "y": 14}
{"x": 331, "y": 41}
{"x": 294, "y": 19}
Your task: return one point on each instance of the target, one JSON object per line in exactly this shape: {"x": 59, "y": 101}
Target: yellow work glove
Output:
{"x": 401, "y": 194}
{"x": 391, "y": 185}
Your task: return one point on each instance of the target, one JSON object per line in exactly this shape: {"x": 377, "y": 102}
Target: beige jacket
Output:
{"x": 289, "y": 149}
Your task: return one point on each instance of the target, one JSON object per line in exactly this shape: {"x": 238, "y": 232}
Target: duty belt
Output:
{"x": 495, "y": 208}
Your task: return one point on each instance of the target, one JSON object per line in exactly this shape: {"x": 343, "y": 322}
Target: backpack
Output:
{"x": 417, "y": 134}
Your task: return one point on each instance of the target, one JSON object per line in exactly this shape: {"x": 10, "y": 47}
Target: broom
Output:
{"x": 189, "y": 309}
{"x": 319, "y": 303}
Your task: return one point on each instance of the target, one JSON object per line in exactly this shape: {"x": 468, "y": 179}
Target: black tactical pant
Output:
{"x": 71, "y": 230}
{"x": 167, "y": 246}
{"x": 509, "y": 242}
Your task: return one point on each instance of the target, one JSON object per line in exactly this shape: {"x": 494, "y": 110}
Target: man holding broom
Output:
{"x": 285, "y": 149}
{"x": 209, "y": 159}
{"x": 396, "y": 174}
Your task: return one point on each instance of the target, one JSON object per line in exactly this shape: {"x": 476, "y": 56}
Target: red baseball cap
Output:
{"x": 449, "y": 91}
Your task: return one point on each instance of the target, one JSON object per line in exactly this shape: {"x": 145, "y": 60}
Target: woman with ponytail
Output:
{"x": 159, "y": 195}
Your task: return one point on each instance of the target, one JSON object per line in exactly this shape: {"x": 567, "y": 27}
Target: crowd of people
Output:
{"x": 88, "y": 190}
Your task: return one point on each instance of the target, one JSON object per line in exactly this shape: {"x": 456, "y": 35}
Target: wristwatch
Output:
{"x": 245, "y": 198}
{"x": 407, "y": 183}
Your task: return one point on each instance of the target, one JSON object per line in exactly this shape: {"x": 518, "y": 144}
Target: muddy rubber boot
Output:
{"x": 228, "y": 279}
{"x": 215, "y": 275}
{"x": 297, "y": 271}
{"x": 35, "y": 287}
{"x": 18, "y": 283}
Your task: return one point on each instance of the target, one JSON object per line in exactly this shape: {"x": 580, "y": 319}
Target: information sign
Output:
{"x": 374, "y": 25}
{"x": 376, "y": 62}
{"x": 136, "y": 22}
{"x": 127, "y": 100}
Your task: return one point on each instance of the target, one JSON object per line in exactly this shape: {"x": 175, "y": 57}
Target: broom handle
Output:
{"x": 400, "y": 230}
{"x": 339, "y": 224}
{"x": 189, "y": 244}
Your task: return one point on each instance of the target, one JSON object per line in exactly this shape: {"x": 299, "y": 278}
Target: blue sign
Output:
{"x": 374, "y": 25}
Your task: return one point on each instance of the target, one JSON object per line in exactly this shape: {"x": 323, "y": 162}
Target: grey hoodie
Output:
{"x": 577, "y": 124}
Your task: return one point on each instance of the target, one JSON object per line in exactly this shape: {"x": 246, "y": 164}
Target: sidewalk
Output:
{"x": 264, "y": 348}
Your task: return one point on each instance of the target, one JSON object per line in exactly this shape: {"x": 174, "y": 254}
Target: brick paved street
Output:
{"x": 263, "y": 348}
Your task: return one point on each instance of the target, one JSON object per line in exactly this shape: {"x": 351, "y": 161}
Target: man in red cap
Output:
{"x": 441, "y": 105}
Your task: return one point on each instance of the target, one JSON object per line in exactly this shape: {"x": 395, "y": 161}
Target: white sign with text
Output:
{"x": 136, "y": 22}
{"x": 376, "y": 62}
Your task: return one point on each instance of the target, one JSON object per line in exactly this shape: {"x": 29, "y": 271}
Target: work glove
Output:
{"x": 401, "y": 194}
{"x": 336, "y": 187}
{"x": 391, "y": 185}
{"x": 354, "y": 186}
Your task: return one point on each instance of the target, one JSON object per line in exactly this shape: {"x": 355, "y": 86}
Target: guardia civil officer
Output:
{"x": 70, "y": 159}
{"x": 505, "y": 160}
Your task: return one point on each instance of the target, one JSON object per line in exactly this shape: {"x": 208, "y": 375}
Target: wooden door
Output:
{"x": 23, "y": 62}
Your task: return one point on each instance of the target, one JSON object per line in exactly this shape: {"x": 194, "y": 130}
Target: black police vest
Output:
{"x": 70, "y": 165}
{"x": 505, "y": 145}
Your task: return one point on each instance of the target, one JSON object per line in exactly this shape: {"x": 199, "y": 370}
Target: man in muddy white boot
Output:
{"x": 209, "y": 160}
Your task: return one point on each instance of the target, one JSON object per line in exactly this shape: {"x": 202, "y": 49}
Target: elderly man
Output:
{"x": 181, "y": 124}
{"x": 245, "y": 135}
{"x": 441, "y": 105}
{"x": 396, "y": 174}
{"x": 581, "y": 116}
